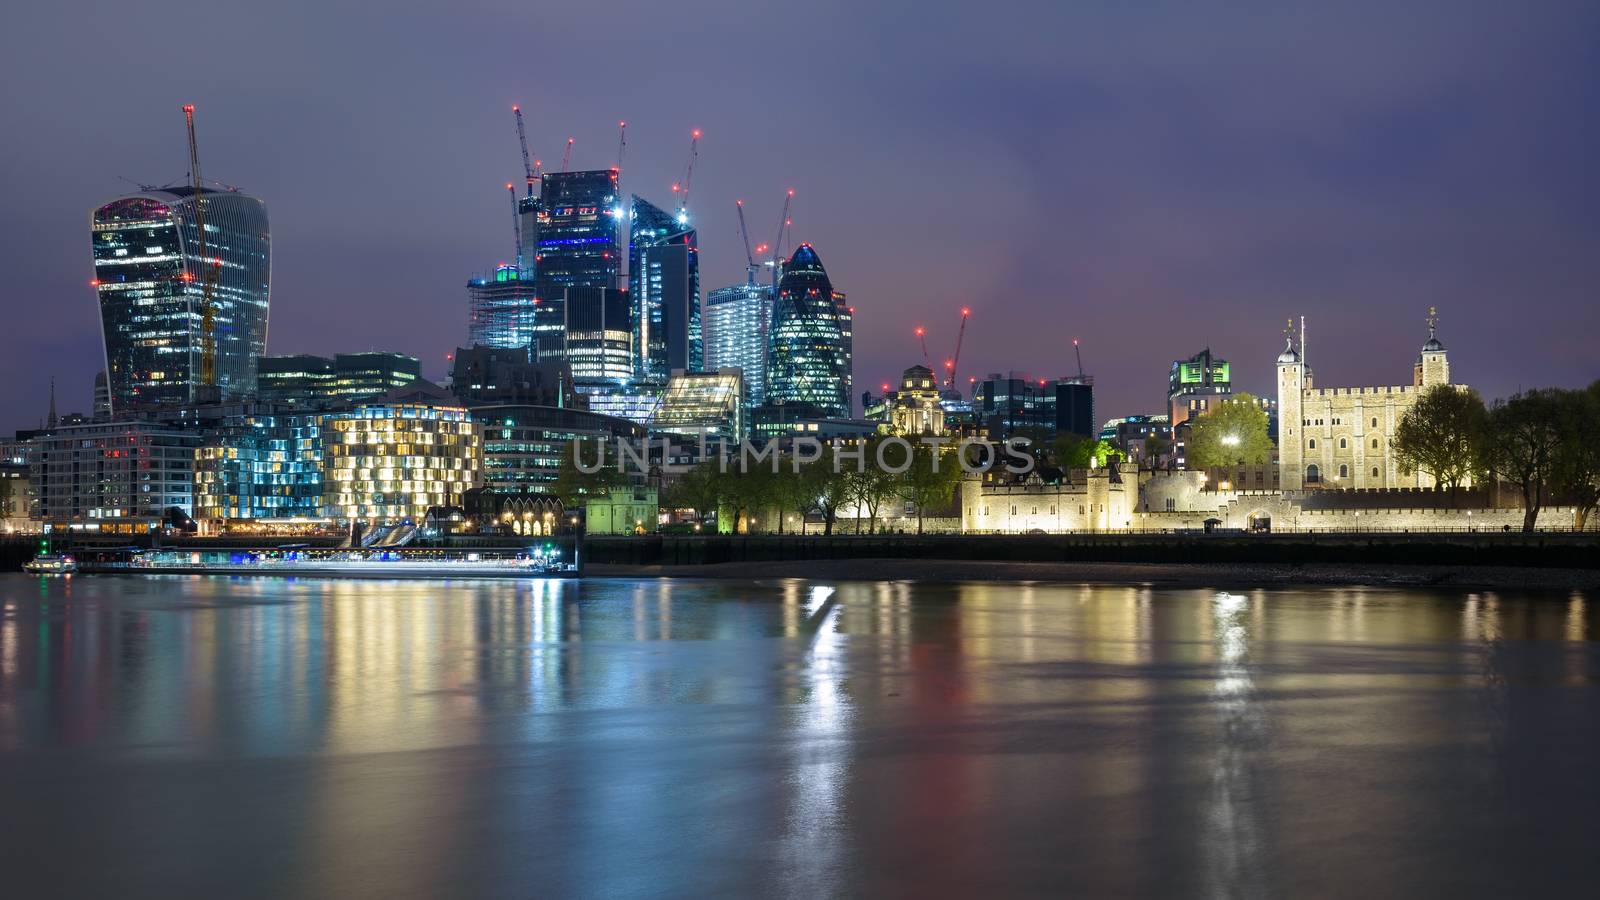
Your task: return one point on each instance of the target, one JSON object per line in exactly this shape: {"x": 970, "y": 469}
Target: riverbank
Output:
{"x": 1161, "y": 574}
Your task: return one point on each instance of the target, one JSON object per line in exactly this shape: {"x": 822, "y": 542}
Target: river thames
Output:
{"x": 235, "y": 737}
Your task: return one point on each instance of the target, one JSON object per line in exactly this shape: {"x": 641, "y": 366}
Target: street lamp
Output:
{"x": 1230, "y": 440}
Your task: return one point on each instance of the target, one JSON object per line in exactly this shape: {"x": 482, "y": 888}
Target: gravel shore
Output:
{"x": 1167, "y": 574}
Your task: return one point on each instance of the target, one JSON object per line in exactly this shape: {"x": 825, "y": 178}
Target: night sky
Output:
{"x": 1150, "y": 180}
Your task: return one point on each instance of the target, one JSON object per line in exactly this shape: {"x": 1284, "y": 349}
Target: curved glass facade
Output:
{"x": 150, "y": 279}
{"x": 811, "y": 339}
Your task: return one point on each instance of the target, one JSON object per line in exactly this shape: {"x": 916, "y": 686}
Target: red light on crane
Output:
{"x": 965, "y": 311}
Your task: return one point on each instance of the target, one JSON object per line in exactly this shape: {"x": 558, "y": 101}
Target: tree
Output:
{"x": 1155, "y": 447}
{"x": 1232, "y": 432}
{"x": 1578, "y": 456}
{"x": 574, "y": 486}
{"x": 931, "y": 480}
{"x": 699, "y": 489}
{"x": 789, "y": 492}
{"x": 1523, "y": 438}
{"x": 829, "y": 488}
{"x": 871, "y": 487}
{"x": 751, "y": 490}
{"x": 1442, "y": 435}
{"x": 1087, "y": 454}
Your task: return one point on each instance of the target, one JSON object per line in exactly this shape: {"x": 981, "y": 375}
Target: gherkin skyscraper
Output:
{"x": 811, "y": 360}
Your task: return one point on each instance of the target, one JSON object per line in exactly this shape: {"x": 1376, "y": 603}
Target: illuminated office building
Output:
{"x": 260, "y": 465}
{"x": 599, "y": 338}
{"x": 360, "y": 375}
{"x": 501, "y": 309}
{"x": 664, "y": 280}
{"x": 811, "y": 339}
{"x": 1195, "y": 385}
{"x": 151, "y": 282}
{"x": 523, "y": 446}
{"x": 578, "y": 243}
{"x": 297, "y": 378}
{"x": 316, "y": 380}
{"x": 703, "y": 403}
{"x": 738, "y": 333}
{"x": 395, "y": 461}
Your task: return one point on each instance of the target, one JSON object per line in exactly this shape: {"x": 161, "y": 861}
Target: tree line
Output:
{"x": 764, "y": 494}
{"x": 1544, "y": 442}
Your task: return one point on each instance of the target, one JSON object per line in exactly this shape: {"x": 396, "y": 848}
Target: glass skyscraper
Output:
{"x": 599, "y": 342}
{"x": 502, "y": 309}
{"x": 578, "y": 243}
{"x": 664, "y": 279}
{"x": 738, "y": 332}
{"x": 811, "y": 339}
{"x": 150, "y": 279}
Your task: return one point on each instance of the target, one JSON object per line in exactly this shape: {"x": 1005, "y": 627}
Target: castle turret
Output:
{"x": 1291, "y": 394}
{"x": 1433, "y": 366}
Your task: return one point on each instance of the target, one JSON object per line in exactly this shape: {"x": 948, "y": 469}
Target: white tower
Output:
{"x": 1291, "y": 392}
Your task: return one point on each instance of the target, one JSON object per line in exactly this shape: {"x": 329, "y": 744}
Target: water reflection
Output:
{"x": 503, "y": 738}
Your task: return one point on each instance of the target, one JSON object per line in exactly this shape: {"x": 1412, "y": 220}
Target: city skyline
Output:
{"x": 1139, "y": 211}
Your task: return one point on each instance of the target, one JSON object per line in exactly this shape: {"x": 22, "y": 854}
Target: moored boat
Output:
{"x": 51, "y": 564}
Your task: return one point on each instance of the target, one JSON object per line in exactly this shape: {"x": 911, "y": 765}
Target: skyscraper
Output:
{"x": 738, "y": 334}
{"x": 151, "y": 281}
{"x": 1195, "y": 385}
{"x": 502, "y": 309}
{"x": 811, "y": 339}
{"x": 578, "y": 243}
{"x": 664, "y": 279}
{"x": 599, "y": 341}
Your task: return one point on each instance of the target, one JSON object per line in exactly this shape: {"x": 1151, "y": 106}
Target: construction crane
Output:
{"x": 777, "y": 244}
{"x": 922, "y": 335}
{"x": 749, "y": 258}
{"x": 688, "y": 178}
{"x": 522, "y": 141}
{"x": 566, "y": 158}
{"x": 1079, "y": 354}
{"x": 516, "y": 223}
{"x": 212, "y": 267}
{"x": 955, "y": 362}
{"x": 622, "y": 147}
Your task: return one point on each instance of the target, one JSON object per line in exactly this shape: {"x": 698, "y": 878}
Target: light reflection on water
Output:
{"x": 633, "y": 738}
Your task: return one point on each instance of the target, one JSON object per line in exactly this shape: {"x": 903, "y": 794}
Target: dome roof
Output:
{"x": 1433, "y": 345}
{"x": 804, "y": 259}
{"x": 1288, "y": 355}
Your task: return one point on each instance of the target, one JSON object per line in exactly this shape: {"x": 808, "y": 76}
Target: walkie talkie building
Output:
{"x": 150, "y": 278}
